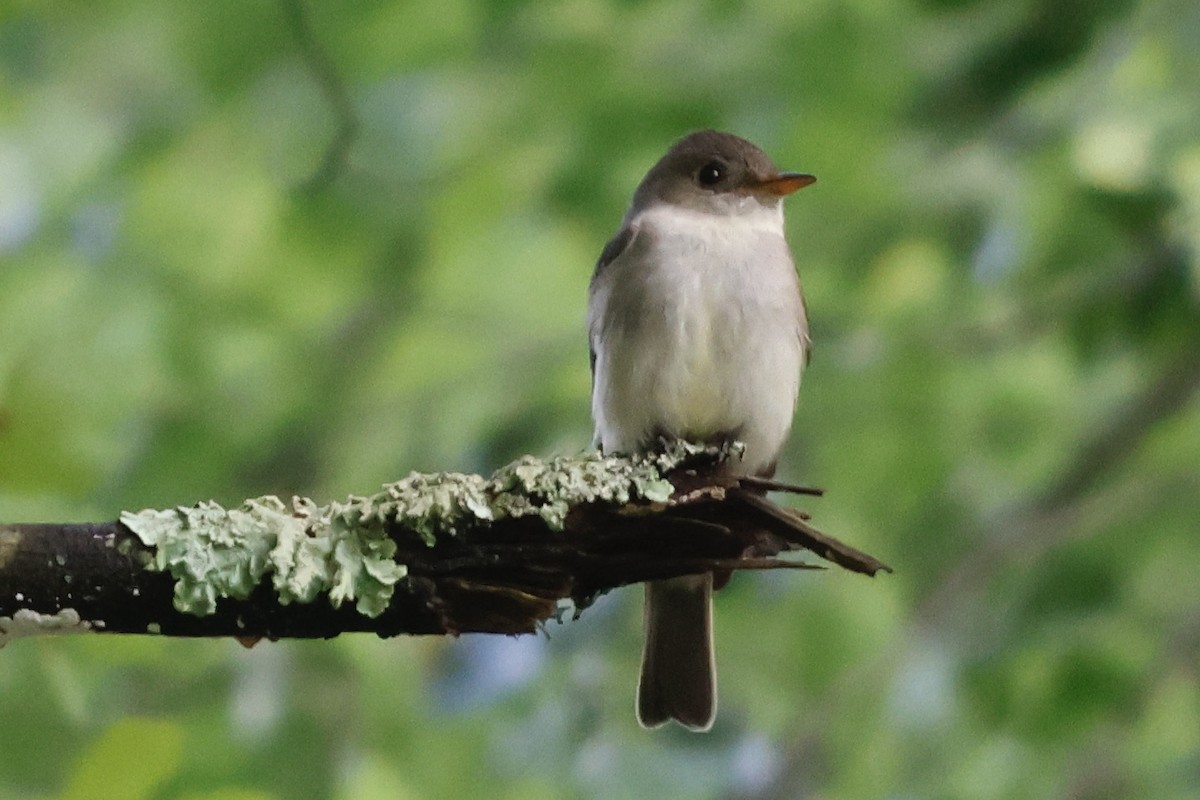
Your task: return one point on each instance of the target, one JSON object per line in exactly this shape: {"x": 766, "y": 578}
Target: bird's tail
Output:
{"x": 679, "y": 679}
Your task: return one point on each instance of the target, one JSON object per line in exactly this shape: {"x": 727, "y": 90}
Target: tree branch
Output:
{"x": 333, "y": 87}
{"x": 432, "y": 554}
{"x": 1044, "y": 521}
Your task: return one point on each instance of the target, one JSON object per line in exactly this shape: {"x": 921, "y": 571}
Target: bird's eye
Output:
{"x": 710, "y": 174}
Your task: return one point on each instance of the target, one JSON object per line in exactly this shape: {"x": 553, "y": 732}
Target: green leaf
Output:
{"x": 128, "y": 762}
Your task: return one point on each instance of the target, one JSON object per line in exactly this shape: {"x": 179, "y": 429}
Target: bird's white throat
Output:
{"x": 747, "y": 217}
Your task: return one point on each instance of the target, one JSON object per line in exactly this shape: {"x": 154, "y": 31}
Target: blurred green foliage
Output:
{"x": 1001, "y": 261}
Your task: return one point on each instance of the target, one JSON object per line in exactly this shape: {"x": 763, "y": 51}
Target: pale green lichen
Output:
{"x": 25, "y": 622}
{"x": 214, "y": 552}
{"x": 548, "y": 488}
{"x": 343, "y": 548}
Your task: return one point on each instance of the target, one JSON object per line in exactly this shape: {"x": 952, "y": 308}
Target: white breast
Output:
{"x": 699, "y": 331}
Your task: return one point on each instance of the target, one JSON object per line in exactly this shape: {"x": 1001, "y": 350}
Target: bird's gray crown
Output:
{"x": 708, "y": 171}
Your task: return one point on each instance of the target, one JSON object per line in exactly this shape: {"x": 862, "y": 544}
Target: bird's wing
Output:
{"x": 805, "y": 338}
{"x": 616, "y": 245}
{"x": 611, "y": 252}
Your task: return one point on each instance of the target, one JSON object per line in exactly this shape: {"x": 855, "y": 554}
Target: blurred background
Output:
{"x": 257, "y": 247}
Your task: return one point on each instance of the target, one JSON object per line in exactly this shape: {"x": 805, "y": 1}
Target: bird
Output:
{"x": 698, "y": 331}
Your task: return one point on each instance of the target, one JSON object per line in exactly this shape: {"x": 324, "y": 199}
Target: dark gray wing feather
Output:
{"x": 616, "y": 245}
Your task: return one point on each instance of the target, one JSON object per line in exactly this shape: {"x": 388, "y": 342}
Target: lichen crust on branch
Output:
{"x": 25, "y": 622}
{"x": 344, "y": 548}
{"x": 442, "y": 503}
{"x": 214, "y": 552}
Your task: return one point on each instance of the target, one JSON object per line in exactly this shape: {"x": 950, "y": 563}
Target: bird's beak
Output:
{"x": 783, "y": 184}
